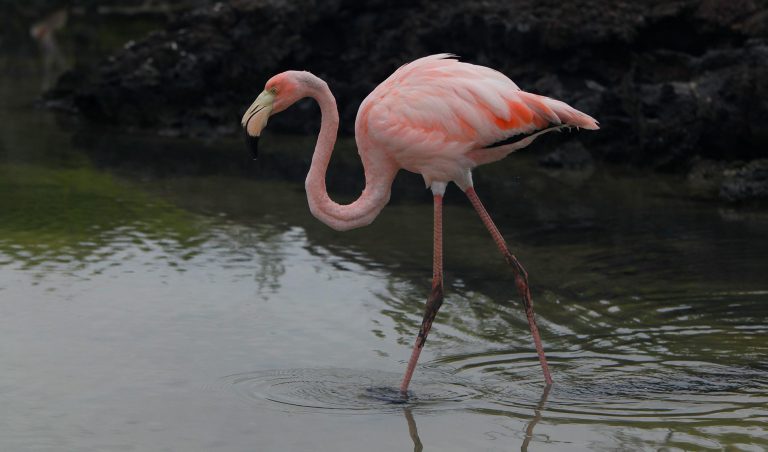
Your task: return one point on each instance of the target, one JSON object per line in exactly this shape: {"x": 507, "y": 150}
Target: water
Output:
{"x": 168, "y": 294}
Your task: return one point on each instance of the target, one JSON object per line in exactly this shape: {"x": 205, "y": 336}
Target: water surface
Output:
{"x": 168, "y": 294}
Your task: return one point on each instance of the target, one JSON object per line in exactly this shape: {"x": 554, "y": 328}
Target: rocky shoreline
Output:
{"x": 673, "y": 83}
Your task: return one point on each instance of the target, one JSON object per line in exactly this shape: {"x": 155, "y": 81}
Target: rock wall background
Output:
{"x": 676, "y": 85}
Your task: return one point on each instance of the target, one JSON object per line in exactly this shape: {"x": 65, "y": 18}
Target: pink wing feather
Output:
{"x": 437, "y": 108}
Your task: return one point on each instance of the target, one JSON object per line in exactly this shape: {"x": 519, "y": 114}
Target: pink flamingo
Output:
{"x": 437, "y": 117}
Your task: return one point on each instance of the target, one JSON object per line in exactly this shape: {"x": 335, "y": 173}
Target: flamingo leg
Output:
{"x": 435, "y": 299}
{"x": 521, "y": 277}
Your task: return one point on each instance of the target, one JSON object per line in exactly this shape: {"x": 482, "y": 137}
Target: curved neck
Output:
{"x": 379, "y": 173}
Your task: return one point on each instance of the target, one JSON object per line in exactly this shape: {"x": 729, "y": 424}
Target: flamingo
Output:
{"x": 438, "y": 117}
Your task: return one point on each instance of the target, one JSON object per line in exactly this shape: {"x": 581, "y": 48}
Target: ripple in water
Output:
{"x": 588, "y": 388}
{"x": 596, "y": 387}
{"x": 351, "y": 390}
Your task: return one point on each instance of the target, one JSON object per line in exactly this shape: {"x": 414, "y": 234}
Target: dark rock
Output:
{"x": 729, "y": 181}
{"x": 669, "y": 81}
{"x": 571, "y": 155}
{"x": 705, "y": 178}
{"x": 746, "y": 183}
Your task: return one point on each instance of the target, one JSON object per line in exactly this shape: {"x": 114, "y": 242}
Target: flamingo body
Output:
{"x": 437, "y": 117}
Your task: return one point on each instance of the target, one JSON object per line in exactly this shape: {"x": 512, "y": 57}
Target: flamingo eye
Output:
{"x": 273, "y": 90}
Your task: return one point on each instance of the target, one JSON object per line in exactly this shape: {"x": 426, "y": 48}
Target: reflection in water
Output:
{"x": 82, "y": 222}
{"x": 536, "y": 418}
{"x": 412, "y": 431}
{"x": 44, "y": 32}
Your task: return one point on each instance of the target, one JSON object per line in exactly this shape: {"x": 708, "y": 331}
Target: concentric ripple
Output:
{"x": 351, "y": 390}
{"x": 593, "y": 387}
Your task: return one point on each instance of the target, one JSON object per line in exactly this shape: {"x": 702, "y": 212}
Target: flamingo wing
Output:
{"x": 438, "y": 109}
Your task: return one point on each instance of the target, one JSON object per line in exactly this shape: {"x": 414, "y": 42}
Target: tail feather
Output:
{"x": 558, "y": 112}
{"x": 550, "y": 115}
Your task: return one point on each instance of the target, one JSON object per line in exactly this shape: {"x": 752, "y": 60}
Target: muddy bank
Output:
{"x": 672, "y": 83}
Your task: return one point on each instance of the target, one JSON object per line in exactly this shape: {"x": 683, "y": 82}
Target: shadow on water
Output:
{"x": 652, "y": 307}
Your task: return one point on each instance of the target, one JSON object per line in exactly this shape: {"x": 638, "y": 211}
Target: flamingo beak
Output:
{"x": 255, "y": 119}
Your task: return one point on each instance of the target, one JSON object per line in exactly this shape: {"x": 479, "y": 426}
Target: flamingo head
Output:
{"x": 280, "y": 92}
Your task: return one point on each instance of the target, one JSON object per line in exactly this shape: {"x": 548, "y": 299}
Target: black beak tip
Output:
{"x": 253, "y": 145}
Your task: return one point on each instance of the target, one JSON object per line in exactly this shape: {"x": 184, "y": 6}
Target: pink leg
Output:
{"x": 435, "y": 299}
{"x": 521, "y": 277}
